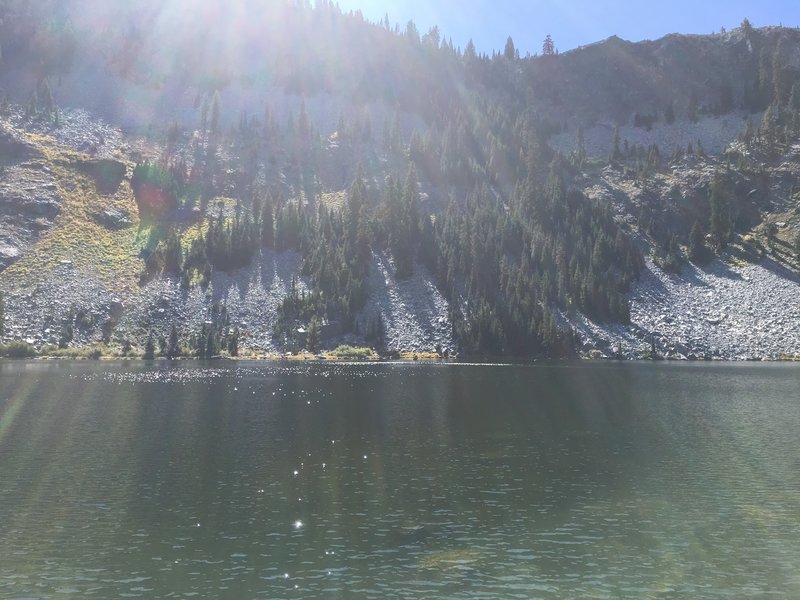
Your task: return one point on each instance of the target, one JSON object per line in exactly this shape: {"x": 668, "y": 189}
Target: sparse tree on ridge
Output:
{"x": 548, "y": 47}
{"x": 412, "y": 33}
{"x": 510, "y": 51}
{"x": 470, "y": 54}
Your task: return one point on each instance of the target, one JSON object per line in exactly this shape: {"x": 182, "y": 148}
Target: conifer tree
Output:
{"x": 233, "y": 343}
{"x": 2, "y": 315}
{"x": 616, "y": 152}
{"x": 769, "y": 125}
{"x": 580, "y": 148}
{"x": 691, "y": 109}
{"x": 210, "y": 343}
{"x": 749, "y": 133}
{"x": 172, "y": 344}
{"x": 797, "y": 248}
{"x": 780, "y": 79}
{"x": 412, "y": 33}
{"x": 215, "y": 112}
{"x": 721, "y": 220}
{"x": 46, "y": 97}
{"x": 548, "y": 47}
{"x": 405, "y": 238}
{"x": 669, "y": 113}
{"x": 697, "y": 248}
{"x": 303, "y": 124}
{"x": 173, "y": 254}
{"x": 313, "y": 335}
{"x": 470, "y": 54}
{"x": 267, "y": 223}
{"x": 510, "y": 51}
{"x": 764, "y": 84}
{"x": 149, "y": 347}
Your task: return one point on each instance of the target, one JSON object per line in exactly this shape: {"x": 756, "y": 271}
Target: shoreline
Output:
{"x": 84, "y": 354}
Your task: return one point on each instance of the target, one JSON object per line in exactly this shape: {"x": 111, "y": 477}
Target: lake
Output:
{"x": 248, "y": 480}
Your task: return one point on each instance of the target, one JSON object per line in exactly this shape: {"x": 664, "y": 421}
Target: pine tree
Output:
{"x": 405, "y": 238}
{"x": 697, "y": 247}
{"x": 749, "y": 133}
{"x": 267, "y": 223}
{"x": 412, "y": 33}
{"x": 669, "y": 113}
{"x": 32, "y": 107}
{"x": 204, "y": 114}
{"x": 764, "y": 86}
{"x": 46, "y": 96}
{"x": 548, "y": 47}
{"x": 149, "y": 347}
{"x": 470, "y": 54}
{"x": 797, "y": 248}
{"x": 616, "y": 153}
{"x": 303, "y": 124}
{"x": 211, "y": 343}
{"x": 769, "y": 125}
{"x": 173, "y": 253}
{"x": 580, "y": 148}
{"x": 215, "y": 112}
{"x": 233, "y": 343}
{"x": 721, "y": 220}
{"x": 172, "y": 344}
{"x": 313, "y": 335}
{"x": 67, "y": 334}
{"x": 691, "y": 109}
{"x": 510, "y": 51}
{"x": 780, "y": 79}
{"x": 747, "y": 28}
{"x": 725, "y": 97}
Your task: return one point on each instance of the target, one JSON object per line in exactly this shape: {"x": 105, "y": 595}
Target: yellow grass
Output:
{"x": 110, "y": 256}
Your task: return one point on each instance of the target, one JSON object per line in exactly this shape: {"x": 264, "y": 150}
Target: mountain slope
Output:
{"x": 296, "y": 177}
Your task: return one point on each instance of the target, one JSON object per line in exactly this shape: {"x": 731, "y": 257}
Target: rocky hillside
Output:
{"x": 617, "y": 200}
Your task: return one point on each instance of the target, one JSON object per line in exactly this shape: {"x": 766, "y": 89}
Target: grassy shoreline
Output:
{"x": 22, "y": 350}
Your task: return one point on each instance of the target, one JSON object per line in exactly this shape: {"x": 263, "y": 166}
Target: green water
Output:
{"x": 247, "y": 480}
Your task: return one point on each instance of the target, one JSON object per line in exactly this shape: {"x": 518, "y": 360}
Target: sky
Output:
{"x": 573, "y": 23}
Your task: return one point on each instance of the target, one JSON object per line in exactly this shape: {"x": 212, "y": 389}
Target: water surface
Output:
{"x": 405, "y": 481}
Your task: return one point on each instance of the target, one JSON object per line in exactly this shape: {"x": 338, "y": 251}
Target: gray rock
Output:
{"x": 113, "y": 218}
{"x": 8, "y": 254}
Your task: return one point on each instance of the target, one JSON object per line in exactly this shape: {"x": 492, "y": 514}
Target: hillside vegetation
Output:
{"x": 275, "y": 177}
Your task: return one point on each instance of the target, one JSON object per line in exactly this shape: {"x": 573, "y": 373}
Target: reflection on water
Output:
{"x": 402, "y": 481}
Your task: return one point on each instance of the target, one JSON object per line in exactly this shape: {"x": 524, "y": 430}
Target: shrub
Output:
{"x": 16, "y": 349}
{"x": 344, "y": 351}
{"x": 93, "y": 352}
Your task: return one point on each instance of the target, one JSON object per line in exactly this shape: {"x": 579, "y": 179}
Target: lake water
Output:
{"x": 244, "y": 480}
